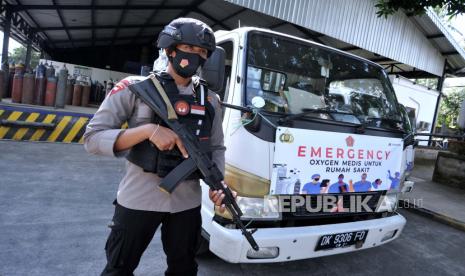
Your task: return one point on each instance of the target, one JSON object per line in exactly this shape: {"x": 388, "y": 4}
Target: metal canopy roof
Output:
{"x": 402, "y": 42}
{"x": 440, "y": 37}
{"x": 69, "y": 25}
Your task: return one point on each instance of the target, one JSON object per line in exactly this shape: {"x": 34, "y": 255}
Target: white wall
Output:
{"x": 96, "y": 74}
{"x": 418, "y": 97}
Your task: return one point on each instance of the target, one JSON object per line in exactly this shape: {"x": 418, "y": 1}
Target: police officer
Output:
{"x": 152, "y": 150}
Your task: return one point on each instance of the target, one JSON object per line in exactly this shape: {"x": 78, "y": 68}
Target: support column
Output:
{"x": 438, "y": 101}
{"x": 6, "y": 40}
{"x": 27, "y": 62}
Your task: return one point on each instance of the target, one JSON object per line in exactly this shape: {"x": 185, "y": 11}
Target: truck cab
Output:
{"x": 322, "y": 124}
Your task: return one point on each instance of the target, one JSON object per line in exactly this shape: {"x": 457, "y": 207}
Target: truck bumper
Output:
{"x": 296, "y": 243}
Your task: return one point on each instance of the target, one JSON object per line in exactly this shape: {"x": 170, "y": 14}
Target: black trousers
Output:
{"x": 132, "y": 231}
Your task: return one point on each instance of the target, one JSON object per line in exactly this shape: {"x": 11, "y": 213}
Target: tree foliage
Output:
{"x": 450, "y": 106}
{"x": 431, "y": 83}
{"x": 19, "y": 56}
{"x": 417, "y": 7}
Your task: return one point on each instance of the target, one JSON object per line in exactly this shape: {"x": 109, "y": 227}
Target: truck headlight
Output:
{"x": 259, "y": 208}
{"x": 245, "y": 183}
{"x": 388, "y": 202}
{"x": 252, "y": 192}
{"x": 255, "y": 208}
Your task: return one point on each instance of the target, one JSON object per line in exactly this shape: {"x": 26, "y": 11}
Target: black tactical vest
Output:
{"x": 194, "y": 111}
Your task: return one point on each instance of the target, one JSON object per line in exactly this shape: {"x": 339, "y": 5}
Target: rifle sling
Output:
{"x": 169, "y": 107}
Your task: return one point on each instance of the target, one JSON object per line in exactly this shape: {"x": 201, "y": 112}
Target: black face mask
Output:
{"x": 186, "y": 64}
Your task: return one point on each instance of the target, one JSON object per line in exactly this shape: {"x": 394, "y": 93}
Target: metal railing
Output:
{"x": 439, "y": 141}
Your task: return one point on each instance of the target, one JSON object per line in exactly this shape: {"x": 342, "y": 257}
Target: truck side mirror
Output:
{"x": 213, "y": 70}
{"x": 258, "y": 102}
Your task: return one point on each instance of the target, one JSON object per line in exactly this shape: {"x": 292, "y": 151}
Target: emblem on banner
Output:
{"x": 350, "y": 141}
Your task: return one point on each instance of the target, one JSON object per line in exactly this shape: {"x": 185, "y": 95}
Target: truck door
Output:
{"x": 230, "y": 43}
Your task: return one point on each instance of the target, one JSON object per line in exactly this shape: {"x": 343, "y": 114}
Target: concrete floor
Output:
{"x": 56, "y": 201}
{"x": 446, "y": 201}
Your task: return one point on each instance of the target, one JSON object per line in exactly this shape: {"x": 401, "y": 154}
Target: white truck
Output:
{"x": 324, "y": 123}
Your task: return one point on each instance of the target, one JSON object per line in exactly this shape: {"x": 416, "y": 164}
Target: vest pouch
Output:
{"x": 170, "y": 159}
{"x": 144, "y": 156}
{"x": 167, "y": 160}
{"x": 147, "y": 156}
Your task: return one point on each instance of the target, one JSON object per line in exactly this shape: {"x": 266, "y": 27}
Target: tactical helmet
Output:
{"x": 187, "y": 31}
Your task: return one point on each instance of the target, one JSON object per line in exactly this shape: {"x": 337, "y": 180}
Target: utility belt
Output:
{"x": 195, "y": 112}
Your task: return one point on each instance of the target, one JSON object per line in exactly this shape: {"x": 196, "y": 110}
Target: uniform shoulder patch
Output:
{"x": 119, "y": 86}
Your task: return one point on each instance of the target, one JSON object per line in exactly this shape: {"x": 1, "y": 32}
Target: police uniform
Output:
{"x": 138, "y": 190}
{"x": 141, "y": 206}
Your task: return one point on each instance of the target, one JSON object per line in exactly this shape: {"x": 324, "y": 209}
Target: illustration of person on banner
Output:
{"x": 340, "y": 186}
{"x": 376, "y": 184}
{"x": 324, "y": 186}
{"x": 312, "y": 187}
{"x": 395, "y": 181}
{"x": 363, "y": 185}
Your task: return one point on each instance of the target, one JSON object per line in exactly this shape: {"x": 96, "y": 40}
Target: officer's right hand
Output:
{"x": 165, "y": 139}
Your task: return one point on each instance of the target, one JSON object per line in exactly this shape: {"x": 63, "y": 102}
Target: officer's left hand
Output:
{"x": 217, "y": 198}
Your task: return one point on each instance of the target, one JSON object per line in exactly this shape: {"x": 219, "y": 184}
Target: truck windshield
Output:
{"x": 294, "y": 77}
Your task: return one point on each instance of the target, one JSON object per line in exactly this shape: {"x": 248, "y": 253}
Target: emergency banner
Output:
{"x": 317, "y": 162}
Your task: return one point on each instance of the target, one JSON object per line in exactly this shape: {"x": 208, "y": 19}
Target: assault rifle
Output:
{"x": 152, "y": 93}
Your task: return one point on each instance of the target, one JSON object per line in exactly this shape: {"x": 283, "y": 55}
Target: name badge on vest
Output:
{"x": 181, "y": 107}
{"x": 198, "y": 109}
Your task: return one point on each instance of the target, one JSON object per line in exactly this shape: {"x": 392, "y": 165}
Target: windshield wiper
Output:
{"x": 308, "y": 111}
{"x": 387, "y": 119}
{"x": 390, "y": 120}
{"x": 360, "y": 126}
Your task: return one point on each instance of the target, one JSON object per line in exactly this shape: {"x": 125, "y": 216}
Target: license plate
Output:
{"x": 341, "y": 240}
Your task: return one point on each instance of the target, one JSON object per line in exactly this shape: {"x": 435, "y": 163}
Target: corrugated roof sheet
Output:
{"x": 356, "y": 23}
{"x": 412, "y": 43}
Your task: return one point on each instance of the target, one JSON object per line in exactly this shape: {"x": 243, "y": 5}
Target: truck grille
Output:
{"x": 302, "y": 211}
